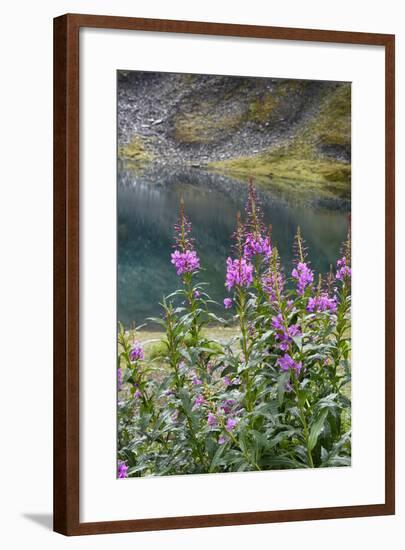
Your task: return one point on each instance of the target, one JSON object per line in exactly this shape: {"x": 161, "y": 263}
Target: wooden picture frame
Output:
{"x": 67, "y": 283}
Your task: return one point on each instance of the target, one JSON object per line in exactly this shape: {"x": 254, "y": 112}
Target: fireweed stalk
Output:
{"x": 276, "y": 395}
{"x": 341, "y": 354}
{"x": 187, "y": 264}
{"x": 253, "y": 249}
{"x": 287, "y": 334}
{"x": 304, "y": 277}
{"x": 239, "y": 277}
{"x": 175, "y": 330}
{"x": 257, "y": 239}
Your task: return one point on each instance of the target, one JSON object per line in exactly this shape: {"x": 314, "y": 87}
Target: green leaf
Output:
{"x": 186, "y": 355}
{"x": 186, "y": 401}
{"x": 284, "y": 435}
{"x": 281, "y": 386}
{"x": 217, "y": 457}
{"x": 324, "y": 456}
{"x": 316, "y": 429}
{"x": 297, "y": 341}
{"x": 157, "y": 320}
{"x": 302, "y": 397}
{"x": 281, "y": 462}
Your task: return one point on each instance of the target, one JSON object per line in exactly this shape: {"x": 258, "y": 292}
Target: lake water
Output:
{"x": 148, "y": 205}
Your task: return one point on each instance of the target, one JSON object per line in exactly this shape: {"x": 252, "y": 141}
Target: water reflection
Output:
{"x": 147, "y": 210}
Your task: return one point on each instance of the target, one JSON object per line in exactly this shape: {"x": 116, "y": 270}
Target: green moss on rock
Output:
{"x": 289, "y": 168}
{"x": 333, "y": 124}
{"x": 204, "y": 124}
{"x": 135, "y": 152}
{"x": 303, "y": 158}
{"x": 261, "y": 108}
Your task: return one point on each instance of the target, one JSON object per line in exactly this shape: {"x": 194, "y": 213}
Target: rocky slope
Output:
{"x": 267, "y": 128}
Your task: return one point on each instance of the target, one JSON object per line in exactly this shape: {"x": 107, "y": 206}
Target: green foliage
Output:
{"x": 192, "y": 405}
{"x": 157, "y": 350}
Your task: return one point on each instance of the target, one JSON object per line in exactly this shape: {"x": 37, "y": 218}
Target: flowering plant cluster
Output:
{"x": 274, "y": 395}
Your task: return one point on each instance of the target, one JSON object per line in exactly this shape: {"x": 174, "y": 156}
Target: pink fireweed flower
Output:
{"x": 273, "y": 281}
{"x": 196, "y": 294}
{"x": 197, "y": 381}
{"x": 199, "y": 400}
{"x": 119, "y": 378}
{"x": 255, "y": 245}
{"x": 137, "y": 394}
{"x": 304, "y": 276}
{"x": 287, "y": 363}
{"x": 228, "y": 381}
{"x": 238, "y": 272}
{"x": 185, "y": 262}
{"x": 221, "y": 440}
{"x": 212, "y": 420}
{"x": 288, "y": 387}
{"x": 228, "y": 303}
{"x": 230, "y": 424}
{"x": 136, "y": 353}
{"x": 286, "y": 337}
{"x": 122, "y": 469}
{"x": 226, "y": 406}
{"x": 294, "y": 330}
{"x": 277, "y": 322}
{"x": 270, "y": 283}
{"x": 343, "y": 270}
{"x": 285, "y": 334}
{"x": 322, "y": 303}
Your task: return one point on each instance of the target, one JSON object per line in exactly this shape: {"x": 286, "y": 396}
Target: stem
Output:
{"x": 198, "y": 449}
{"x": 247, "y": 457}
{"x": 245, "y": 347}
{"x": 306, "y": 435}
{"x": 304, "y": 424}
{"x": 188, "y": 283}
{"x": 173, "y": 360}
{"x": 341, "y": 327}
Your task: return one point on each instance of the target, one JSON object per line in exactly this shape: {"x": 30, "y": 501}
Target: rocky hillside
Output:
{"x": 266, "y": 128}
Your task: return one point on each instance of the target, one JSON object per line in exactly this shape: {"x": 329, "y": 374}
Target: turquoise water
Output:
{"x": 148, "y": 206}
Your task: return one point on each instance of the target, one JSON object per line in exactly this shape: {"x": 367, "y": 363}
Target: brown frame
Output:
{"x": 66, "y": 273}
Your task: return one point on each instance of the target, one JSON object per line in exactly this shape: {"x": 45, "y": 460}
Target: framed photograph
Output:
{"x": 223, "y": 274}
